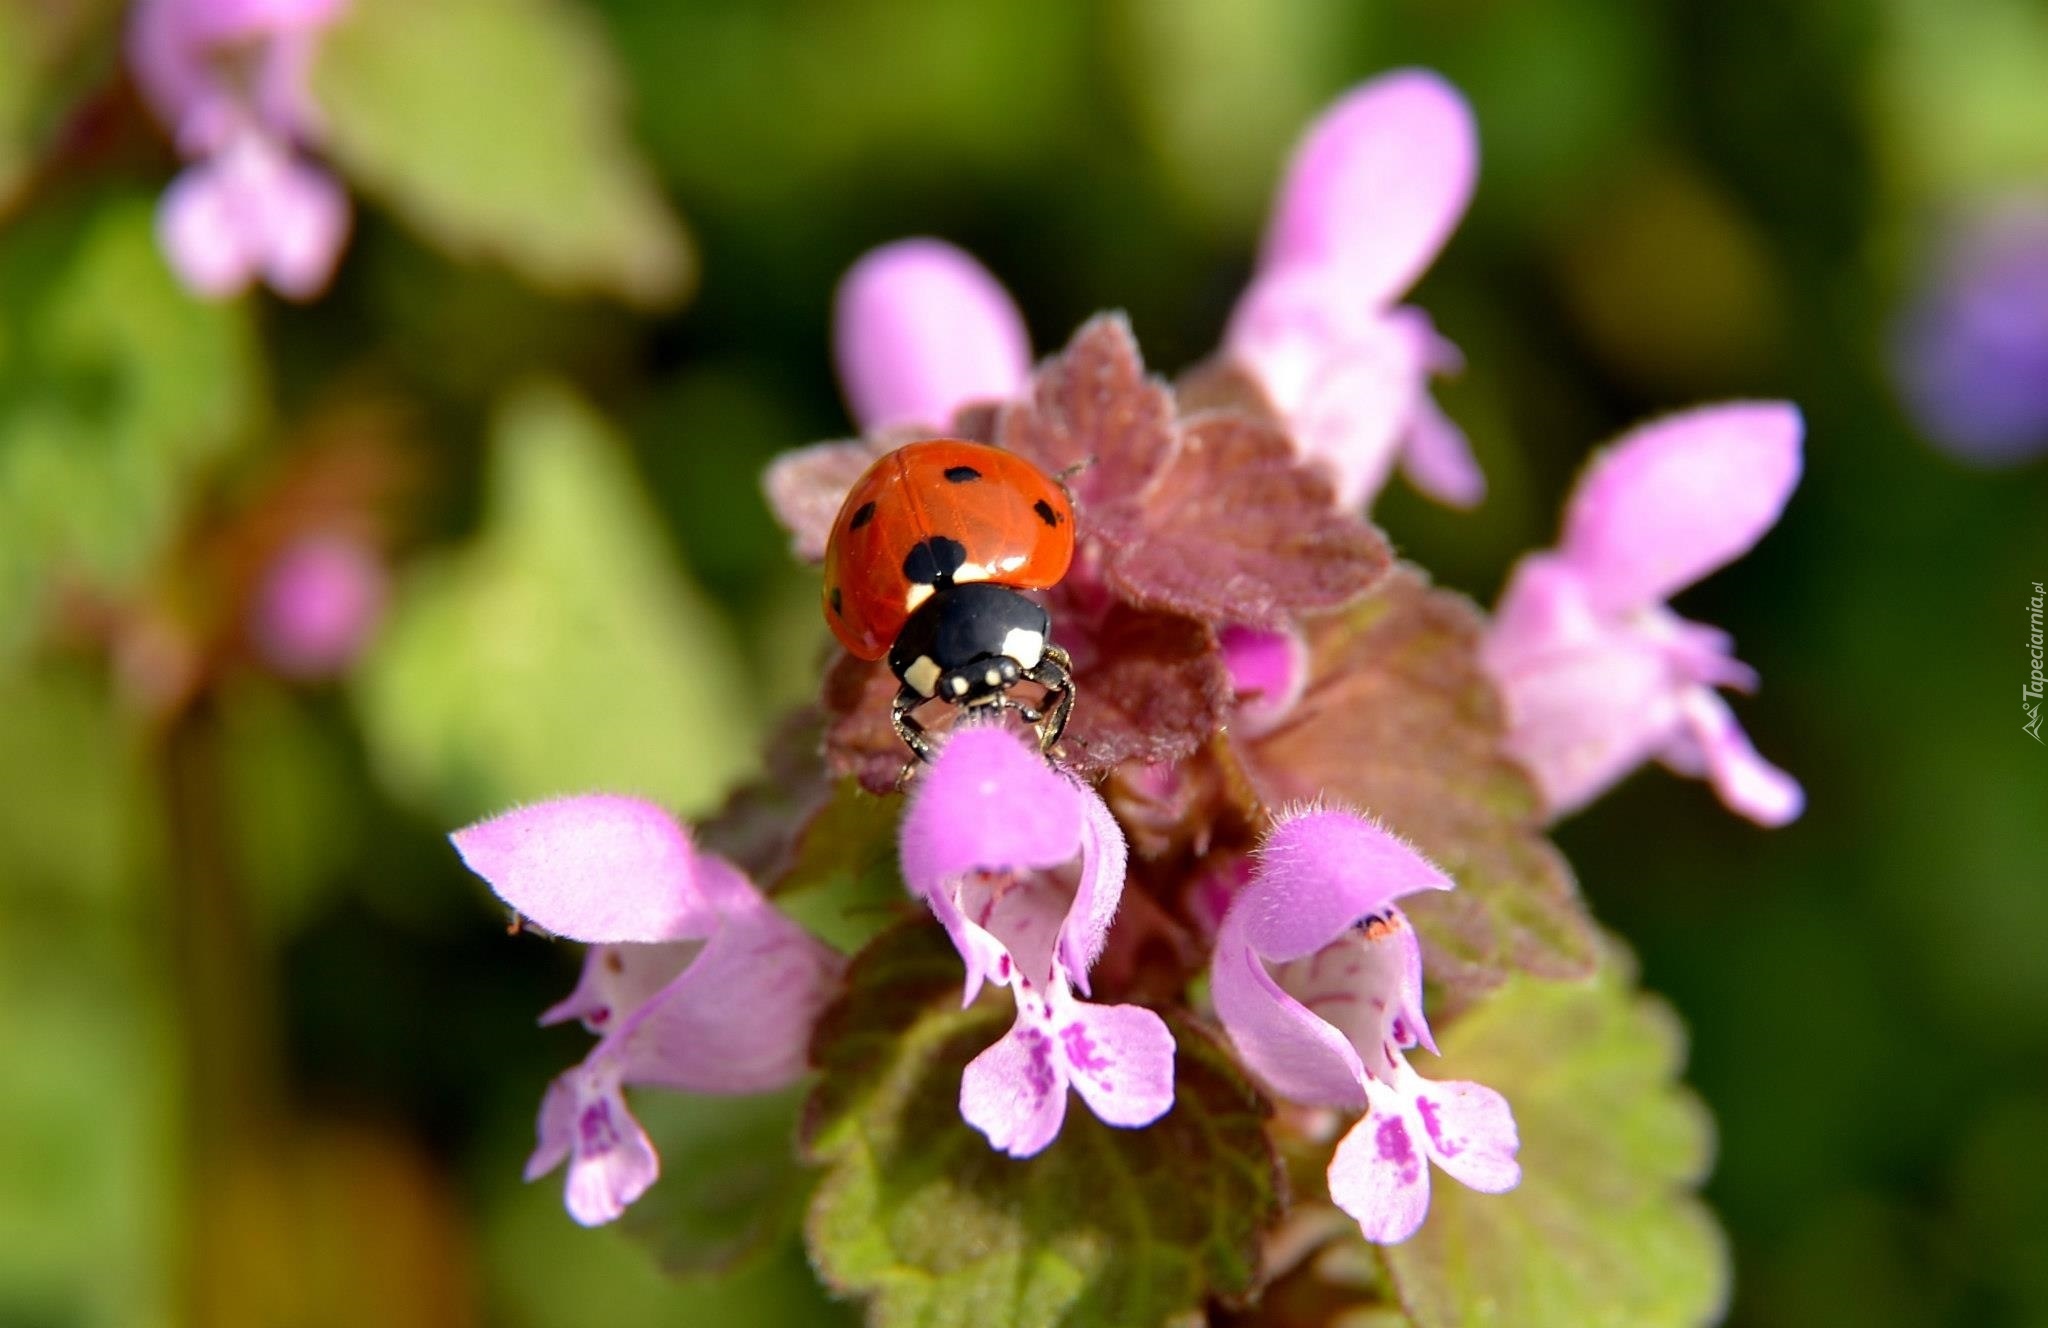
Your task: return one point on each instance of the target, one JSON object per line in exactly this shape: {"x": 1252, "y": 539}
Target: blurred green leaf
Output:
{"x": 70, "y": 820}
{"x": 844, "y": 885}
{"x": 1604, "y": 1229}
{"x": 298, "y": 816}
{"x": 47, "y": 49}
{"x": 1959, "y": 101}
{"x": 734, "y": 1186}
{"x": 496, "y": 128}
{"x": 1108, "y": 1227}
{"x": 117, "y": 391}
{"x": 563, "y": 650}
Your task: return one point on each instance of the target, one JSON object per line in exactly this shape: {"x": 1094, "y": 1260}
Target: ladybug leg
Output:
{"x": 906, "y": 726}
{"x": 1055, "y": 674}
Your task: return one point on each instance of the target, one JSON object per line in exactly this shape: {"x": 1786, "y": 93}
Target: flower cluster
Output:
{"x": 1288, "y": 750}
{"x": 230, "y": 79}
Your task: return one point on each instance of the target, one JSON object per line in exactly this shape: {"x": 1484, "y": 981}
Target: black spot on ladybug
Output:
{"x": 837, "y": 607}
{"x": 932, "y": 562}
{"x": 1046, "y": 514}
{"x": 861, "y": 516}
{"x": 961, "y": 474}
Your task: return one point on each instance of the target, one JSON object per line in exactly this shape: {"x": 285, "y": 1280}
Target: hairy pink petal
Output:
{"x": 599, "y": 868}
{"x": 1680, "y": 497}
{"x": 1301, "y": 1056}
{"x": 1378, "y": 184}
{"x": 921, "y": 329}
{"x": 1321, "y": 872}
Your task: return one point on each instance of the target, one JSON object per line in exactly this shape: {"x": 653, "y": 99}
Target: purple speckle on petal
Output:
{"x": 1038, "y": 1071}
{"x": 595, "y": 1132}
{"x": 1003, "y": 966}
{"x": 1392, "y": 1137}
{"x": 1444, "y": 1147}
{"x": 1080, "y": 1048}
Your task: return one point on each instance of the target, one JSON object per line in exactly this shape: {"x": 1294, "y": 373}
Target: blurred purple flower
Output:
{"x": 693, "y": 982}
{"x": 1318, "y": 982}
{"x": 1024, "y": 867}
{"x": 230, "y": 78}
{"x": 1369, "y": 199}
{"x": 1597, "y": 673}
{"x": 921, "y": 329}
{"x": 1971, "y": 354}
{"x": 320, "y": 602}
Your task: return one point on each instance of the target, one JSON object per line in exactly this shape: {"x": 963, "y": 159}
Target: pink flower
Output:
{"x": 1318, "y": 982}
{"x": 1372, "y": 194}
{"x": 1597, "y": 673}
{"x": 230, "y": 78}
{"x": 1024, "y": 867}
{"x": 1269, "y": 673}
{"x": 318, "y": 605}
{"x": 920, "y": 329}
{"x": 693, "y": 982}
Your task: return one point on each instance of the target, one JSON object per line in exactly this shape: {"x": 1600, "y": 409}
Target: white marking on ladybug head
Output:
{"x": 918, "y": 593}
{"x": 1025, "y": 646}
{"x": 923, "y": 676}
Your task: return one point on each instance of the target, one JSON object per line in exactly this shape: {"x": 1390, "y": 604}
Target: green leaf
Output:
{"x": 48, "y": 52}
{"x": 118, "y": 392}
{"x": 918, "y": 1214}
{"x": 1604, "y": 1229}
{"x": 844, "y": 884}
{"x": 496, "y": 128}
{"x": 562, "y": 651}
{"x": 1400, "y": 721}
{"x": 734, "y": 1186}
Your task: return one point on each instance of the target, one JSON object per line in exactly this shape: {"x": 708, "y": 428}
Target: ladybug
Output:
{"x": 927, "y": 564}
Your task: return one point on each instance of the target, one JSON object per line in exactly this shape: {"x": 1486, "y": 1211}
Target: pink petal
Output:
{"x": 1677, "y": 498}
{"x": 1379, "y": 1175}
{"x": 318, "y": 605}
{"x": 738, "y": 1018}
{"x": 1367, "y": 984}
{"x": 806, "y": 488}
{"x": 1747, "y": 783}
{"x": 1104, "y": 856}
{"x": 1119, "y": 1059}
{"x": 920, "y": 329}
{"x": 584, "y": 1120}
{"x": 1016, "y": 1091}
{"x": 1322, "y": 871}
{"x": 1470, "y": 1132}
{"x": 599, "y": 868}
{"x": 1268, "y": 671}
{"x": 202, "y": 235}
{"x": 1437, "y": 457}
{"x": 305, "y": 225}
{"x": 1377, "y": 185}
{"x": 988, "y": 802}
{"x": 1344, "y": 376}
{"x": 1300, "y": 1056}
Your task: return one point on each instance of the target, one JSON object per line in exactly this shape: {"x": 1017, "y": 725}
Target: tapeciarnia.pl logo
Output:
{"x": 2030, "y": 695}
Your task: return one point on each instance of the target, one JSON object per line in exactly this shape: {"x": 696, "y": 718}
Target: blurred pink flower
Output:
{"x": 693, "y": 981}
{"x": 1369, "y": 199}
{"x": 320, "y": 602}
{"x": 1318, "y": 982}
{"x": 921, "y": 329}
{"x": 230, "y": 79}
{"x": 1024, "y": 866}
{"x": 1268, "y": 672}
{"x": 1597, "y": 673}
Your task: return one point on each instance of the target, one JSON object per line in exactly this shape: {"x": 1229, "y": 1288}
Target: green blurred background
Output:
{"x": 242, "y": 977}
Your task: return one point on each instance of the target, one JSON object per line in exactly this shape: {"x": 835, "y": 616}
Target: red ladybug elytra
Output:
{"x": 925, "y": 564}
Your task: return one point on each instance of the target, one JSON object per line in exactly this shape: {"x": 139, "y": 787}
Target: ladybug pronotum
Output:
{"x": 927, "y": 564}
